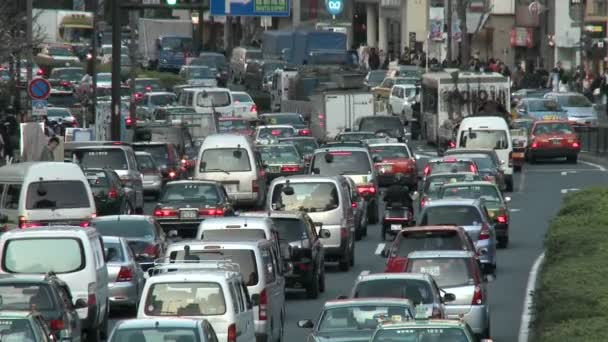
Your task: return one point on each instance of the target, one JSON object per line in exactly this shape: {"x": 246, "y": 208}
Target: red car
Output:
{"x": 392, "y": 159}
{"x": 553, "y": 139}
{"x": 450, "y": 164}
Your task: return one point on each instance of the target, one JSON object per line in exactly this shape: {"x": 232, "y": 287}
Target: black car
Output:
{"x": 281, "y": 160}
{"x": 392, "y": 126}
{"x": 294, "y": 120}
{"x": 166, "y": 156}
{"x": 49, "y": 296}
{"x": 184, "y": 204}
{"x": 143, "y": 233}
{"x": 214, "y": 60}
{"x": 111, "y": 197}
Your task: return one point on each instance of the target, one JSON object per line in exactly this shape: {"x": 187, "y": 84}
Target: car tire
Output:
{"x": 103, "y": 328}
{"x": 373, "y": 216}
{"x": 359, "y": 234}
{"x": 344, "y": 263}
{"x": 517, "y": 168}
{"x": 572, "y": 159}
{"x": 365, "y": 226}
{"x": 312, "y": 290}
{"x": 503, "y": 242}
{"x": 509, "y": 182}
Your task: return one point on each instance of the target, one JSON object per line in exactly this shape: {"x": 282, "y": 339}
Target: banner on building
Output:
{"x": 436, "y": 23}
{"x": 522, "y": 37}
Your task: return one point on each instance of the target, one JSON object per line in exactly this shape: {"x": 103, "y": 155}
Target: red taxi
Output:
{"x": 553, "y": 139}
{"x": 450, "y": 165}
{"x": 235, "y": 125}
{"x": 392, "y": 159}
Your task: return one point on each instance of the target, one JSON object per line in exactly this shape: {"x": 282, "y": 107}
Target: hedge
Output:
{"x": 571, "y": 299}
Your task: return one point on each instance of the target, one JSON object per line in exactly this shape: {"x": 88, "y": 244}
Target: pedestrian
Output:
{"x": 374, "y": 59}
{"x": 47, "y": 153}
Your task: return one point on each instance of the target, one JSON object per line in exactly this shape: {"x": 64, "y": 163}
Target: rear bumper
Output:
{"x": 553, "y": 152}
{"x": 122, "y": 294}
{"x": 388, "y": 179}
{"x": 476, "y": 316}
{"x": 502, "y": 230}
{"x": 246, "y": 198}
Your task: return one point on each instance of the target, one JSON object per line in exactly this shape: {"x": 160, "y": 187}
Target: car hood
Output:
{"x": 344, "y": 336}
{"x": 580, "y": 112}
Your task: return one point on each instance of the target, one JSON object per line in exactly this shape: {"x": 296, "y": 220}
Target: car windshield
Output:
{"x": 194, "y": 73}
{"x": 147, "y": 85}
{"x": 21, "y": 296}
{"x": 241, "y": 97}
{"x": 113, "y": 251}
{"x": 62, "y": 99}
{"x": 163, "y": 100}
{"x": 225, "y": 160}
{"x": 127, "y": 228}
{"x": 389, "y": 124}
{"x": 62, "y": 52}
{"x": 146, "y": 162}
{"x": 185, "y": 299}
{"x": 16, "y": 330}
{"x": 487, "y": 192}
{"x": 447, "y": 272}
{"x": 275, "y": 132}
{"x": 418, "y": 291}
{"x": 573, "y": 101}
{"x": 191, "y": 192}
{"x": 359, "y": 317}
{"x": 115, "y": 159}
{"x": 283, "y": 119}
{"x": 58, "y": 113}
{"x": 390, "y": 152}
{"x": 422, "y": 334}
{"x": 234, "y": 125}
{"x": 160, "y": 153}
{"x": 451, "y": 215}
{"x": 166, "y": 333}
{"x": 552, "y": 128}
{"x": 290, "y": 229}
{"x": 97, "y": 179}
{"x": 543, "y": 106}
{"x": 245, "y": 258}
{"x": 43, "y": 255}
{"x": 431, "y": 240}
{"x": 309, "y": 197}
{"x": 492, "y": 139}
{"x": 355, "y": 136}
{"x": 68, "y": 74}
{"x": 341, "y": 163}
{"x": 178, "y": 44}
{"x": 57, "y": 195}
{"x": 213, "y": 99}
{"x": 273, "y": 154}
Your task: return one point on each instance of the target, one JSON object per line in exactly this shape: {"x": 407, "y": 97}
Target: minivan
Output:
{"x": 489, "y": 132}
{"x": 259, "y": 265}
{"x": 213, "y": 290}
{"x": 76, "y": 255}
{"x": 231, "y": 160}
{"x": 327, "y": 201}
{"x": 44, "y": 193}
{"x": 208, "y": 100}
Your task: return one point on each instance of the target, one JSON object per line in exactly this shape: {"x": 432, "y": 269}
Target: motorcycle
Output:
{"x": 396, "y": 218}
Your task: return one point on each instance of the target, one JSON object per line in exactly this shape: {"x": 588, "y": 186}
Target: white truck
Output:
{"x": 279, "y": 90}
{"x": 448, "y": 96}
{"x": 165, "y": 44}
{"x": 63, "y": 26}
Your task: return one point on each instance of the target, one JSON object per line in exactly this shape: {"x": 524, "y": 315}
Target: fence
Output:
{"x": 594, "y": 140}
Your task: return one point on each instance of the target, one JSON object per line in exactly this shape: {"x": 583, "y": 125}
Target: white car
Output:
{"x": 61, "y": 115}
{"x": 244, "y": 105}
{"x": 271, "y": 133}
{"x": 400, "y": 102}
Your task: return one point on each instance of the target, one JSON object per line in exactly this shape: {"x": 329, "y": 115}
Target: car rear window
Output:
{"x": 418, "y": 291}
{"x": 213, "y": 99}
{"x": 276, "y": 132}
{"x": 97, "y": 179}
{"x": 290, "y": 229}
{"x": 487, "y": 192}
{"x": 447, "y": 272}
{"x": 429, "y": 241}
{"x": 309, "y": 197}
{"x": 434, "y": 183}
{"x": 57, "y": 195}
{"x": 43, "y": 255}
{"x": 359, "y": 317}
{"x": 114, "y": 253}
{"x": 172, "y": 334}
{"x": 389, "y": 124}
{"x": 160, "y": 153}
{"x": 305, "y": 146}
{"x": 451, "y": 215}
{"x": 234, "y": 234}
{"x": 62, "y": 100}
{"x": 21, "y": 296}
{"x": 146, "y": 162}
{"x": 273, "y": 154}
{"x": 225, "y": 160}
{"x": 455, "y": 166}
{"x": 552, "y": 128}
{"x": 143, "y": 229}
{"x": 483, "y": 162}
{"x": 185, "y": 299}
{"x": 115, "y": 159}
{"x": 390, "y": 152}
{"x": 341, "y": 163}
{"x": 486, "y": 138}
{"x": 245, "y": 258}
{"x": 191, "y": 192}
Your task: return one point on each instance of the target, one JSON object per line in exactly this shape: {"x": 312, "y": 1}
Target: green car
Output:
{"x": 496, "y": 205}
{"x": 281, "y": 160}
{"x": 417, "y": 330}
{"x": 24, "y": 326}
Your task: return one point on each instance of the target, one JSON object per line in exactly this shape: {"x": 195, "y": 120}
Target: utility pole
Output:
{"x": 86, "y": 119}
{"x": 133, "y": 19}
{"x": 581, "y": 18}
{"x": 116, "y": 81}
{"x": 448, "y": 13}
{"x": 465, "y": 54}
{"x": 29, "y": 37}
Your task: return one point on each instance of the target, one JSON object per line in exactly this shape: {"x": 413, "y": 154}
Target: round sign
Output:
{"x": 39, "y": 89}
{"x": 535, "y": 8}
{"x": 334, "y": 7}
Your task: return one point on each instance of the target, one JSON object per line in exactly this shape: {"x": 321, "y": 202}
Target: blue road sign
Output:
{"x": 334, "y": 7}
{"x": 245, "y": 8}
{"x": 39, "y": 107}
{"x": 39, "y": 89}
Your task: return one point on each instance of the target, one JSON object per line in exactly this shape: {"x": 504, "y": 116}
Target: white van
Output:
{"x": 213, "y": 290}
{"x": 490, "y": 132}
{"x": 208, "y": 100}
{"x": 231, "y": 159}
{"x": 76, "y": 255}
{"x": 45, "y": 193}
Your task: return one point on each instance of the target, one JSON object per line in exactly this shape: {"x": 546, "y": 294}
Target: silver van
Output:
{"x": 327, "y": 201}
{"x": 121, "y": 158}
{"x": 232, "y": 160}
{"x": 76, "y": 256}
{"x": 259, "y": 265}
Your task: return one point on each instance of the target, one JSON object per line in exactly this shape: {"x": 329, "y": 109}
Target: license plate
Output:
{"x": 556, "y": 142}
{"x": 431, "y": 270}
{"x": 274, "y": 169}
{"x": 396, "y": 227}
{"x": 188, "y": 214}
{"x": 551, "y": 117}
{"x": 518, "y": 155}
{"x": 231, "y": 188}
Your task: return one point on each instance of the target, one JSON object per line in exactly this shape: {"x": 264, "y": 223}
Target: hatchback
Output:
{"x": 111, "y": 197}
{"x": 163, "y": 329}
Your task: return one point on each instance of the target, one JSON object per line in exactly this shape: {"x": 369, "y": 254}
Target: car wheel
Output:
{"x": 365, "y": 225}
{"x": 312, "y": 291}
{"x": 103, "y": 328}
{"x": 509, "y": 184}
{"x": 517, "y": 168}
{"x": 572, "y": 159}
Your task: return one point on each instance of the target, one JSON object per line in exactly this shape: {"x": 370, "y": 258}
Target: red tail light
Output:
{"x": 211, "y": 212}
{"x": 321, "y": 116}
{"x": 534, "y": 144}
{"x": 452, "y": 144}
{"x": 253, "y": 109}
{"x": 165, "y": 212}
{"x": 57, "y": 324}
{"x": 305, "y": 131}
{"x": 151, "y": 251}
{"x": 125, "y": 274}
{"x": 254, "y": 186}
{"x": 128, "y": 122}
{"x": 427, "y": 170}
{"x": 484, "y": 234}
{"x": 424, "y": 201}
{"x": 436, "y": 313}
{"x": 172, "y": 174}
{"x": 85, "y": 224}
{"x": 139, "y": 96}
{"x": 23, "y": 223}
{"x": 473, "y": 168}
{"x": 477, "y": 296}
{"x": 263, "y": 305}
{"x": 344, "y": 232}
{"x": 353, "y": 205}
{"x": 576, "y": 144}
{"x": 501, "y": 219}
{"x": 113, "y": 194}
{"x": 40, "y": 72}
{"x": 367, "y": 189}
{"x": 395, "y": 265}
{"x": 148, "y": 88}
{"x": 231, "y": 333}
{"x": 65, "y": 84}
{"x": 276, "y": 132}
{"x": 294, "y": 168}
{"x": 75, "y": 124}
{"x": 92, "y": 298}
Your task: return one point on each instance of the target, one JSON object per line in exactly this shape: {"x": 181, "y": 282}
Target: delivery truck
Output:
{"x": 165, "y": 44}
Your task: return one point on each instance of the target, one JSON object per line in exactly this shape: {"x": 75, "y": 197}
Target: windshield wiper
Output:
{"x": 220, "y": 170}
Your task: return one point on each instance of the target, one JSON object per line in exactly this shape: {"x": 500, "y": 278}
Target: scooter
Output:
{"x": 396, "y": 218}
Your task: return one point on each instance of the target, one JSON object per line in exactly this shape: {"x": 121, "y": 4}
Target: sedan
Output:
{"x": 306, "y": 146}
{"x": 553, "y": 139}
{"x": 395, "y": 163}
{"x": 294, "y": 120}
{"x": 163, "y": 329}
{"x": 244, "y": 105}
{"x": 125, "y": 277}
{"x": 268, "y": 134}
{"x": 541, "y": 109}
{"x": 62, "y": 116}
{"x": 153, "y": 178}
{"x": 111, "y": 197}
{"x": 281, "y": 160}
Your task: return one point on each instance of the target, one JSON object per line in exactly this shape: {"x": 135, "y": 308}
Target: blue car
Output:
{"x": 541, "y": 109}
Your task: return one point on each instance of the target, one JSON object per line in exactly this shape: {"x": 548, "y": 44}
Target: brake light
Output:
{"x": 501, "y": 219}
{"x": 113, "y": 194}
{"x": 366, "y": 189}
{"x": 534, "y": 144}
{"x": 165, "y": 212}
{"x": 74, "y": 124}
{"x": 23, "y": 223}
{"x": 452, "y": 144}
{"x": 231, "y": 333}
{"x": 125, "y": 274}
{"x": 436, "y": 313}
{"x": 92, "y": 298}
{"x": 254, "y": 186}
{"x": 305, "y": 131}
{"x": 139, "y": 96}
{"x": 40, "y": 72}
{"x": 151, "y": 251}
{"x": 576, "y": 144}
{"x": 128, "y": 122}
{"x": 353, "y": 205}
{"x": 484, "y": 234}
{"x": 263, "y": 304}
{"x": 396, "y": 265}
{"x": 85, "y": 224}
{"x": 276, "y": 132}
{"x": 477, "y": 296}
{"x": 473, "y": 168}
{"x": 254, "y": 108}
{"x": 294, "y": 168}
{"x": 427, "y": 170}
{"x": 344, "y": 232}
{"x": 148, "y": 88}
{"x": 211, "y": 212}
{"x": 65, "y": 84}
{"x": 172, "y": 174}
{"x": 424, "y": 201}
{"x": 57, "y": 324}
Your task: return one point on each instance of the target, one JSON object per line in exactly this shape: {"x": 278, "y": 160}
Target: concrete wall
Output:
{"x": 495, "y": 40}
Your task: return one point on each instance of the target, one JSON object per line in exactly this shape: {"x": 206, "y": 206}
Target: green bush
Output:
{"x": 571, "y": 302}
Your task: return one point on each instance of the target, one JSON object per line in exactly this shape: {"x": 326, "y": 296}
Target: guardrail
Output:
{"x": 594, "y": 140}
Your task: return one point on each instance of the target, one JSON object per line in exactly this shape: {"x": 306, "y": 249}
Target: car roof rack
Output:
{"x": 165, "y": 265}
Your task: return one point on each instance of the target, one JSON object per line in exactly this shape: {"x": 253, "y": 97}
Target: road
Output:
{"x": 537, "y": 198}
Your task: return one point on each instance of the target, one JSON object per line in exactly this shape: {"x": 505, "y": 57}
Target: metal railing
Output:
{"x": 594, "y": 140}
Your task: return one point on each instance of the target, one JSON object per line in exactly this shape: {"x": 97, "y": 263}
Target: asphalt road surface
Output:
{"x": 536, "y": 199}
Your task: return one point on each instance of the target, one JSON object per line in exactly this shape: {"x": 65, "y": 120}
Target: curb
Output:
{"x": 594, "y": 158}
{"x": 527, "y": 311}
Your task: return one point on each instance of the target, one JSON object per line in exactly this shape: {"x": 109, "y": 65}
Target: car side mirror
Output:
{"x": 255, "y": 300}
{"x": 507, "y": 199}
{"x": 80, "y": 304}
{"x": 319, "y": 226}
{"x": 316, "y": 171}
{"x": 325, "y": 234}
{"x": 307, "y": 324}
{"x": 449, "y": 297}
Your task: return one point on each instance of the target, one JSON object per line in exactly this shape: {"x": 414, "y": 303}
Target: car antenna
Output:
{"x": 245, "y": 225}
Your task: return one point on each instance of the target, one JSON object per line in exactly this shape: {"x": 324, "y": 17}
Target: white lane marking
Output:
{"x": 562, "y": 170}
{"x": 380, "y": 248}
{"x": 514, "y": 210}
{"x": 522, "y": 181}
{"x": 526, "y": 315}
{"x": 600, "y": 167}
{"x": 565, "y": 173}
{"x": 565, "y": 191}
